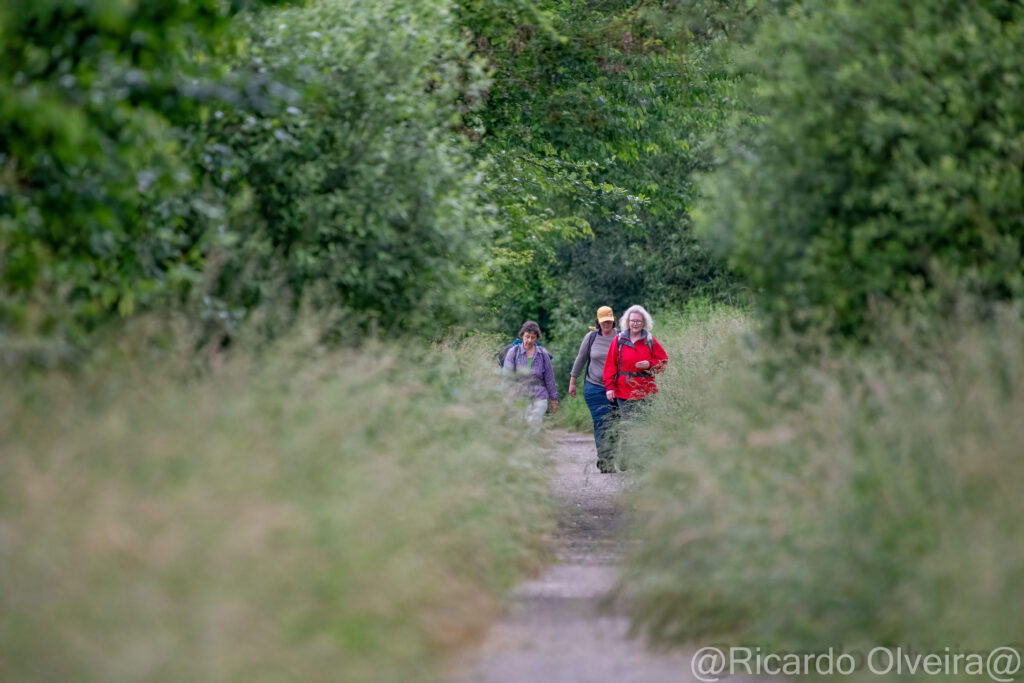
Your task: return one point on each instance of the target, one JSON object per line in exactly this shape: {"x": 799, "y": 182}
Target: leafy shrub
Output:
{"x": 886, "y": 164}
{"x": 155, "y": 151}
{"x": 360, "y": 192}
{"x": 90, "y": 94}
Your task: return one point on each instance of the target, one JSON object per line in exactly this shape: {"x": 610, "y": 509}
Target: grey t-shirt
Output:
{"x": 598, "y": 353}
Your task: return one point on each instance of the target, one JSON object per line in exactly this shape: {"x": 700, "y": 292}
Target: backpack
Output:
{"x": 501, "y": 355}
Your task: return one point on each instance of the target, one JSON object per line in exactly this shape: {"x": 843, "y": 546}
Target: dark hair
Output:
{"x": 529, "y": 326}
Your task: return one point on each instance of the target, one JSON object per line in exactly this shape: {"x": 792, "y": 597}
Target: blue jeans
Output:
{"x": 603, "y": 415}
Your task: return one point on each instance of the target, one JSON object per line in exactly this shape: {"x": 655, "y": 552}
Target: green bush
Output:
{"x": 90, "y": 97}
{"x": 360, "y": 191}
{"x": 154, "y": 153}
{"x": 886, "y": 163}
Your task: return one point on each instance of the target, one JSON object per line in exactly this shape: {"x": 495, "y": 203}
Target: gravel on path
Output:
{"x": 561, "y": 627}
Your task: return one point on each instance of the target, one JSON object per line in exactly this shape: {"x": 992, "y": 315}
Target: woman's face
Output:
{"x": 636, "y": 322}
{"x": 607, "y": 326}
{"x": 529, "y": 339}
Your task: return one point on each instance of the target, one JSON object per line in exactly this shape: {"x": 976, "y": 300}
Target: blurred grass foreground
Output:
{"x": 297, "y": 515}
{"x": 858, "y": 499}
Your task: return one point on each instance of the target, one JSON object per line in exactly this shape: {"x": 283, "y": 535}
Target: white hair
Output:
{"x": 636, "y": 308}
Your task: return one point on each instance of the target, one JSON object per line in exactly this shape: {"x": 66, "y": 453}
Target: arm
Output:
{"x": 581, "y": 359}
{"x": 549, "y": 380}
{"x": 660, "y": 358}
{"x": 577, "y": 366}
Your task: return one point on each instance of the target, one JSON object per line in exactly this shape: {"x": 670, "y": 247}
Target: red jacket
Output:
{"x": 622, "y": 377}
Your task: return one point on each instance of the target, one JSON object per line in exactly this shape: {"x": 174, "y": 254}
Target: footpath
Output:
{"x": 562, "y": 627}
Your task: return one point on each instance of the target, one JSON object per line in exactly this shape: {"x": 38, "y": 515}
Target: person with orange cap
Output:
{"x": 590, "y": 363}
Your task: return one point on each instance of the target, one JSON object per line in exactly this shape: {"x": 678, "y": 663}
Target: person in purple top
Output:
{"x": 529, "y": 365}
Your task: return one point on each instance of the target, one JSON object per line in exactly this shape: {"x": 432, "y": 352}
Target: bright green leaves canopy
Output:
{"x": 597, "y": 114}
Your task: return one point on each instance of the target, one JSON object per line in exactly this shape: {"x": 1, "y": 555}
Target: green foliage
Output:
{"x": 89, "y": 95}
{"x": 360, "y": 191}
{"x": 159, "y": 153}
{"x": 867, "y": 499}
{"x": 299, "y": 515}
{"x": 886, "y": 165}
{"x": 351, "y": 157}
{"x": 597, "y": 124}
{"x": 727, "y": 20}
{"x": 573, "y": 413}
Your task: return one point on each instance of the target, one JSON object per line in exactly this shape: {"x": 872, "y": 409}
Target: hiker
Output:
{"x": 530, "y": 365}
{"x": 633, "y": 358}
{"x": 590, "y": 362}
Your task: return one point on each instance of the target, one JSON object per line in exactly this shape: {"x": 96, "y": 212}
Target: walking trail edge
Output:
{"x": 561, "y": 627}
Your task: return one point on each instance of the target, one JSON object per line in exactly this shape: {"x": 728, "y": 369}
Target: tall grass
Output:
{"x": 688, "y": 336}
{"x": 866, "y": 499}
{"x": 298, "y": 515}
{"x": 573, "y": 413}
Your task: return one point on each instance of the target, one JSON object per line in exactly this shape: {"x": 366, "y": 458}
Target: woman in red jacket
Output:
{"x": 633, "y": 359}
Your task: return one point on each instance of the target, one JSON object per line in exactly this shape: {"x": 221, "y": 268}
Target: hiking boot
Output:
{"x": 606, "y": 466}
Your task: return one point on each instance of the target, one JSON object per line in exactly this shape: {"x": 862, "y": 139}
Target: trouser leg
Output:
{"x": 628, "y": 411}
{"x": 534, "y": 413}
{"x": 603, "y": 414}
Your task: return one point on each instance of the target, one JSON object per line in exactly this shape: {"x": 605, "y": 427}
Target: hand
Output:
{"x": 572, "y": 387}
{"x": 610, "y": 395}
{"x": 643, "y": 365}
{"x": 554, "y": 406}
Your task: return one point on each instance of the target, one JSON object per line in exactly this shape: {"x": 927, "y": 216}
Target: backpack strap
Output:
{"x": 590, "y": 345}
{"x": 618, "y": 362}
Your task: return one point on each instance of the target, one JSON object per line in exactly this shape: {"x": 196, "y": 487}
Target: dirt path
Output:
{"x": 558, "y": 627}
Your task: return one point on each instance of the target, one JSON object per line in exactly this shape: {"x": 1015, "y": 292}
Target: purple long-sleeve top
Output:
{"x": 538, "y": 381}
